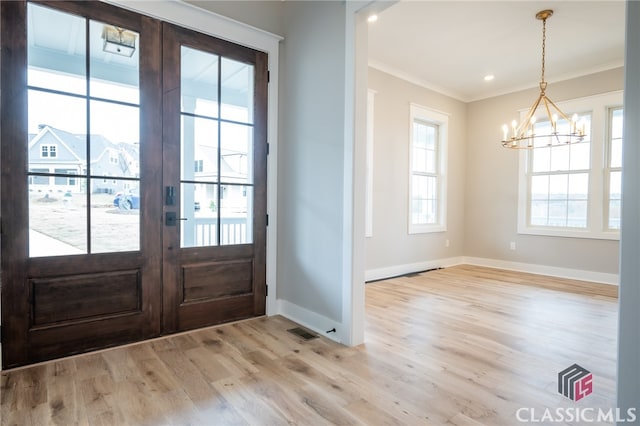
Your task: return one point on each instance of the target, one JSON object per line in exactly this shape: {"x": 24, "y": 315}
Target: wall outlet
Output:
{"x": 512, "y": 246}
{"x": 446, "y": 243}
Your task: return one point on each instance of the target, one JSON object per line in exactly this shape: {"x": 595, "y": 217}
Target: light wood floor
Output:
{"x": 459, "y": 346}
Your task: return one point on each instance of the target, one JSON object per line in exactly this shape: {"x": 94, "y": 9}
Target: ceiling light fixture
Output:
{"x": 372, "y": 18}
{"x": 561, "y": 129}
{"x": 489, "y": 77}
{"x": 118, "y": 41}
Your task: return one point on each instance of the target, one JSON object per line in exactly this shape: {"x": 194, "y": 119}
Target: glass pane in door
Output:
{"x": 236, "y": 153}
{"x": 199, "y": 82}
{"x": 237, "y": 91}
{"x": 199, "y": 215}
{"x": 83, "y": 145}
{"x": 216, "y": 149}
{"x": 57, "y": 219}
{"x": 236, "y": 209}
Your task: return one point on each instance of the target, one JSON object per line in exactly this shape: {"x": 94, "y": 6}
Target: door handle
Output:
{"x": 171, "y": 219}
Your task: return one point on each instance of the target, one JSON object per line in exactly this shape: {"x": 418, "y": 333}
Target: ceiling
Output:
{"x": 449, "y": 46}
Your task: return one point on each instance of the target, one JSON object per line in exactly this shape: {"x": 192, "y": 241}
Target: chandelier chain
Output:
{"x": 544, "y": 43}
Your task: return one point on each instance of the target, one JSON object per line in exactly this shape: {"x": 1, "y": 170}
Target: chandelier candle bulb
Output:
{"x": 505, "y": 131}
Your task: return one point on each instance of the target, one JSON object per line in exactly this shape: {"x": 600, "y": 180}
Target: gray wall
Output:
{"x": 263, "y": 14}
{"x": 629, "y": 332}
{"x": 491, "y": 190}
{"x": 310, "y": 161}
{"x": 391, "y": 244}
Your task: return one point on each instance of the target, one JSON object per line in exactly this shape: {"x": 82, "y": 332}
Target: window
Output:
{"x": 562, "y": 187}
{"x": 65, "y": 181}
{"x": 427, "y": 181}
{"x": 38, "y": 180}
{"x": 613, "y": 171}
{"x": 560, "y": 180}
{"x": 198, "y": 166}
{"x": 48, "y": 151}
{"x": 113, "y": 157}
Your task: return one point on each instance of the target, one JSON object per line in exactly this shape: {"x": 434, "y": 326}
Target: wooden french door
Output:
{"x": 215, "y": 169}
{"x": 116, "y": 226}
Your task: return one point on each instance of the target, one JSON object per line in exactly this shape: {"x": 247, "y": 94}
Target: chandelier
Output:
{"x": 559, "y": 129}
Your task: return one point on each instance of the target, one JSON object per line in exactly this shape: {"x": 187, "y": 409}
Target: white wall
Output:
{"x": 629, "y": 319}
{"x": 491, "y": 199}
{"x": 391, "y": 249}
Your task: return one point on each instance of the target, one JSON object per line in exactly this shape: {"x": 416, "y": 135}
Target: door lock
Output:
{"x": 170, "y": 219}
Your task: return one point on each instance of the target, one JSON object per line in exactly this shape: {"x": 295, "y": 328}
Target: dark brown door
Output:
{"x": 215, "y": 100}
{"x": 86, "y": 163}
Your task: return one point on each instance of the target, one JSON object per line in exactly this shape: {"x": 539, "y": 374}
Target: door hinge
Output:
{"x": 267, "y": 220}
{"x": 268, "y": 76}
{"x": 268, "y": 148}
{"x": 266, "y": 290}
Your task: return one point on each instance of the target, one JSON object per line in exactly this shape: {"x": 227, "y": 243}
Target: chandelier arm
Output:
{"x": 562, "y": 114}
{"x": 546, "y": 107}
{"x": 527, "y": 119}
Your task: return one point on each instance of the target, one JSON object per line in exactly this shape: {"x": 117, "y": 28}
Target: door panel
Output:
{"x": 79, "y": 124}
{"x": 215, "y": 159}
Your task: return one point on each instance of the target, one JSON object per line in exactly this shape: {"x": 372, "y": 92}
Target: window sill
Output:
{"x": 426, "y": 229}
{"x": 569, "y": 233}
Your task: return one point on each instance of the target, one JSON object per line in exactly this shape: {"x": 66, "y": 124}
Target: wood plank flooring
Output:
{"x": 458, "y": 346}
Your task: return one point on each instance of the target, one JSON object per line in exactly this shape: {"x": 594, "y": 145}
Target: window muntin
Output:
{"x": 427, "y": 183}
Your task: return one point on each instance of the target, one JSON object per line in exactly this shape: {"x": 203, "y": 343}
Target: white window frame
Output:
{"x": 441, "y": 120}
{"x": 597, "y": 228}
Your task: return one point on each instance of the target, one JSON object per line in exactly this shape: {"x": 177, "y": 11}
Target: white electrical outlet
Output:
{"x": 512, "y": 246}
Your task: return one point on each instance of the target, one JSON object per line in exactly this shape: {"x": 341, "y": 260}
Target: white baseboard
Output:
{"x": 409, "y": 268}
{"x": 553, "y": 271}
{"x": 313, "y": 321}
